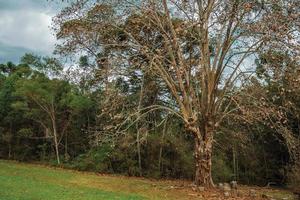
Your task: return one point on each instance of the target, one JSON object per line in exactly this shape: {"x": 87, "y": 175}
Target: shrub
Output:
{"x": 220, "y": 170}
{"x": 97, "y": 159}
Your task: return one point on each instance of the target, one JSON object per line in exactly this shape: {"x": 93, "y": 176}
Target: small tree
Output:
{"x": 44, "y": 98}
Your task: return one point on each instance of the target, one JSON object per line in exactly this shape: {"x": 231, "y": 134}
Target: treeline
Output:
{"x": 202, "y": 90}
{"x": 47, "y": 116}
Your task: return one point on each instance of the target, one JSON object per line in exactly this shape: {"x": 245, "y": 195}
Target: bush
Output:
{"x": 220, "y": 170}
{"x": 96, "y": 159}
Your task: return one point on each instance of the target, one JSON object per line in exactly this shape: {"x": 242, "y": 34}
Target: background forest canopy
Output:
{"x": 206, "y": 90}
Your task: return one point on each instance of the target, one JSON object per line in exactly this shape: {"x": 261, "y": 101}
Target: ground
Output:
{"x": 19, "y": 181}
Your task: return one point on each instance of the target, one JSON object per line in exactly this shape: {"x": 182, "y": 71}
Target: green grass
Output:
{"x": 27, "y": 182}
{"x": 19, "y": 181}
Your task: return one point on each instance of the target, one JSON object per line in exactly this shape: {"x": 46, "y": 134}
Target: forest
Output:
{"x": 199, "y": 90}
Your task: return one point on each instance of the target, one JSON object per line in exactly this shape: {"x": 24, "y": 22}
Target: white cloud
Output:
{"x": 27, "y": 29}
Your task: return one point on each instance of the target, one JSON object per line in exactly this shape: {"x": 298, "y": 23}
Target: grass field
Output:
{"x": 20, "y": 181}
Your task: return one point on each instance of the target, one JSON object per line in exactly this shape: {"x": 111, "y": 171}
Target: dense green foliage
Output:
{"x": 26, "y": 133}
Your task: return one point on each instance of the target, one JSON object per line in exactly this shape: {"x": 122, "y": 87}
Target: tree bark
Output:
{"x": 138, "y": 133}
{"x": 66, "y": 147}
{"x": 138, "y": 145}
{"x": 203, "y": 155}
{"x": 56, "y": 143}
{"x": 161, "y": 145}
{"x": 56, "y": 146}
{"x": 9, "y": 150}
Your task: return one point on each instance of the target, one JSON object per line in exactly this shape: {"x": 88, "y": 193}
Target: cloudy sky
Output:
{"x": 24, "y": 27}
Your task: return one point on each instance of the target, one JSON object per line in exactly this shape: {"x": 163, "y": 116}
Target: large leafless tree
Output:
{"x": 201, "y": 50}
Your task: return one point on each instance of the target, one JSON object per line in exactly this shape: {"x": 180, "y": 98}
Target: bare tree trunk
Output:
{"x": 161, "y": 144}
{"x": 9, "y": 150}
{"x": 55, "y": 139}
{"x": 138, "y": 134}
{"x": 138, "y": 145}
{"x": 237, "y": 169}
{"x": 66, "y": 147}
{"x": 234, "y": 162}
{"x": 203, "y": 155}
{"x": 56, "y": 146}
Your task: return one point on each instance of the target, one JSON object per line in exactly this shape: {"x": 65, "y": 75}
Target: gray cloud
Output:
{"x": 15, "y": 4}
{"x": 37, "y": 5}
{"x": 25, "y": 27}
{"x": 9, "y": 53}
